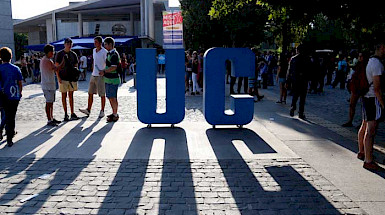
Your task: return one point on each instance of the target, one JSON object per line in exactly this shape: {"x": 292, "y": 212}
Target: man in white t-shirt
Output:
{"x": 97, "y": 85}
{"x": 372, "y": 106}
{"x": 83, "y": 67}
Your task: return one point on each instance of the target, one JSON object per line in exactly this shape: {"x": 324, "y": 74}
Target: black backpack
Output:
{"x": 73, "y": 73}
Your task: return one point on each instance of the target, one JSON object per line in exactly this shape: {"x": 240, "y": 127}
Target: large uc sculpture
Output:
{"x": 242, "y": 106}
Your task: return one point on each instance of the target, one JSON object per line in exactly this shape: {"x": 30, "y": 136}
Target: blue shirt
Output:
{"x": 10, "y": 75}
{"x": 162, "y": 59}
{"x": 342, "y": 65}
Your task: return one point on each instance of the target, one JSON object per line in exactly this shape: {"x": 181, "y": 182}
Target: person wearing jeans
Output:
{"x": 11, "y": 91}
{"x": 195, "y": 73}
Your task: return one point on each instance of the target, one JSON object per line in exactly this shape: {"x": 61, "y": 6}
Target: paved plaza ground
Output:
{"x": 275, "y": 165}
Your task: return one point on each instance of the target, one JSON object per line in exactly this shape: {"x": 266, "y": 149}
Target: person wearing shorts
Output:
{"x": 48, "y": 83}
{"x": 97, "y": 85}
{"x": 111, "y": 77}
{"x": 67, "y": 87}
{"x": 372, "y": 107}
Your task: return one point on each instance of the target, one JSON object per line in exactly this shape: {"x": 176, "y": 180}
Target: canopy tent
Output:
{"x": 85, "y": 43}
{"x": 79, "y": 48}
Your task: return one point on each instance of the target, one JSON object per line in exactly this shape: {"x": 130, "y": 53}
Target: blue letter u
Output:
{"x": 147, "y": 86}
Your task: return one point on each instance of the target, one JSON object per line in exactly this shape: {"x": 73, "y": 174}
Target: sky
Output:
{"x": 23, "y": 9}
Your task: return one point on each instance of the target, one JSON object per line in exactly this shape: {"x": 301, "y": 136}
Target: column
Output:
{"x": 131, "y": 27}
{"x": 151, "y": 19}
{"x": 80, "y": 25}
{"x": 142, "y": 19}
{"x": 54, "y": 29}
{"x": 146, "y": 10}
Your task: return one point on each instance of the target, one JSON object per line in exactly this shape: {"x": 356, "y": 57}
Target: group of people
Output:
{"x": 104, "y": 81}
{"x": 194, "y": 72}
{"x": 365, "y": 82}
{"x": 30, "y": 67}
{"x": 64, "y": 64}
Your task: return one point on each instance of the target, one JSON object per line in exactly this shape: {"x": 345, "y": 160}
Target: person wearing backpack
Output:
{"x": 358, "y": 87}
{"x": 372, "y": 108}
{"x": 67, "y": 76}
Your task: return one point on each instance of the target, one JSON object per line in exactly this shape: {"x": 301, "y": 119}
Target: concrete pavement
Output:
{"x": 276, "y": 165}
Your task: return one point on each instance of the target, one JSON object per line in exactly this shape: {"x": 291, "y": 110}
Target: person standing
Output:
{"x": 298, "y": 75}
{"x": 97, "y": 85}
{"x": 124, "y": 68}
{"x": 195, "y": 73}
{"x": 341, "y": 73}
{"x": 83, "y": 67}
{"x": 24, "y": 70}
{"x": 111, "y": 77}
{"x": 36, "y": 68}
{"x": 48, "y": 83}
{"x": 372, "y": 107}
{"x": 66, "y": 85}
{"x": 357, "y": 78}
{"x": 11, "y": 87}
{"x": 281, "y": 78}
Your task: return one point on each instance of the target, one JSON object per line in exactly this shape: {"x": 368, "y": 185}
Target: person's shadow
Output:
{"x": 64, "y": 171}
{"x": 23, "y": 156}
{"x": 291, "y": 194}
{"x": 173, "y": 171}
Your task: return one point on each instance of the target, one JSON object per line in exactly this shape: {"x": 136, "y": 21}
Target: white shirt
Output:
{"x": 83, "y": 62}
{"x": 100, "y": 58}
{"x": 374, "y": 68}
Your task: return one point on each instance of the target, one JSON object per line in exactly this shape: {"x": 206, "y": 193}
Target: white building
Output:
{"x": 6, "y": 28}
{"x": 142, "y": 18}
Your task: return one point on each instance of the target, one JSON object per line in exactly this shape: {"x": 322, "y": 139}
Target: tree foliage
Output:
{"x": 200, "y": 31}
{"x": 21, "y": 40}
{"x": 353, "y": 22}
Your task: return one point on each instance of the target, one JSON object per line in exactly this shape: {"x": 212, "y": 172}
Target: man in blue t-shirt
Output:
{"x": 11, "y": 88}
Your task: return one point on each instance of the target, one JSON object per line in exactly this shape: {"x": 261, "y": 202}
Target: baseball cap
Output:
{"x": 67, "y": 40}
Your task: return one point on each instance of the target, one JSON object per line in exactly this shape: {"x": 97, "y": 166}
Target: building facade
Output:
{"x": 142, "y": 18}
{"x": 6, "y": 25}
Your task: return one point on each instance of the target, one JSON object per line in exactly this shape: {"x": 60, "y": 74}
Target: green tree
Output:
{"x": 200, "y": 31}
{"x": 244, "y": 26}
{"x": 21, "y": 40}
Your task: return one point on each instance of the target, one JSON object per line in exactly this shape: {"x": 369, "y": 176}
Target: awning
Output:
{"x": 85, "y": 43}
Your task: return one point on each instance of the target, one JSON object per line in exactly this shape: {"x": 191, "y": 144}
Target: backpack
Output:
{"x": 359, "y": 84}
{"x": 73, "y": 73}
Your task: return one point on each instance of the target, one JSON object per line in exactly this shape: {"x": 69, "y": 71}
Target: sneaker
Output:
{"x": 66, "y": 118}
{"x": 110, "y": 116}
{"x": 291, "y": 112}
{"x": 113, "y": 118}
{"x": 302, "y": 116}
{"x": 9, "y": 143}
{"x": 348, "y": 124}
{"x": 260, "y": 98}
{"x": 193, "y": 94}
{"x": 101, "y": 114}
{"x": 51, "y": 123}
{"x": 74, "y": 117}
{"x": 85, "y": 111}
{"x": 56, "y": 121}
{"x": 371, "y": 166}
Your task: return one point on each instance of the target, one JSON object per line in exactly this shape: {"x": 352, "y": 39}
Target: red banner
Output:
{"x": 172, "y": 19}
